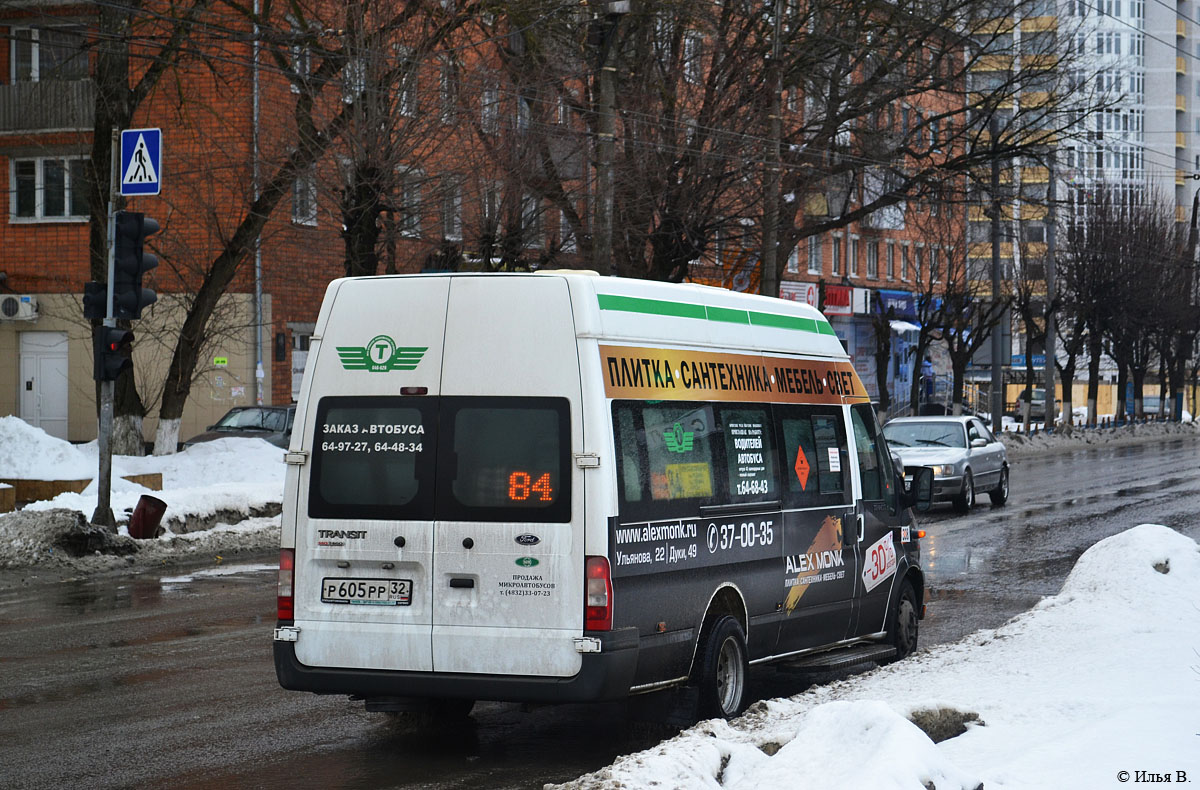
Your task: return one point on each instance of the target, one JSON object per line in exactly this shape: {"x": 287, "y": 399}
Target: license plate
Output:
{"x": 376, "y": 592}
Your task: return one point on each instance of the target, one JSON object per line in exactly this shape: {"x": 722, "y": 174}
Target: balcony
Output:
{"x": 1180, "y": 28}
{"x": 1180, "y": 102}
{"x": 1039, "y": 24}
{"x": 1181, "y": 66}
{"x": 1180, "y": 140}
{"x": 47, "y": 106}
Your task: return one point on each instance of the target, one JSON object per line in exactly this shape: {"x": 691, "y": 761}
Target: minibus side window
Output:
{"x": 749, "y": 454}
{"x": 874, "y": 462}
{"x": 631, "y": 464}
{"x": 667, "y": 456}
{"x": 812, "y": 454}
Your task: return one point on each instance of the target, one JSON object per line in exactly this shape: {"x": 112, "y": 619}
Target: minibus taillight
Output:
{"x": 597, "y": 614}
{"x": 287, "y": 574}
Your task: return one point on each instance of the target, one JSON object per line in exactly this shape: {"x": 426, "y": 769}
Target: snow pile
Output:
{"x": 1084, "y": 690}
{"x": 222, "y": 477}
{"x": 62, "y": 539}
{"x": 1019, "y": 444}
{"x": 29, "y": 453}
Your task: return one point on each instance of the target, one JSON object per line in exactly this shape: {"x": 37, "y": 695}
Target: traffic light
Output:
{"x": 95, "y": 300}
{"x": 112, "y": 349}
{"x": 130, "y": 262}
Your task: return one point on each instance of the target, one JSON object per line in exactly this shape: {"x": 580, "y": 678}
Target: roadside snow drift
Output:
{"x": 226, "y": 476}
{"x": 1085, "y": 690}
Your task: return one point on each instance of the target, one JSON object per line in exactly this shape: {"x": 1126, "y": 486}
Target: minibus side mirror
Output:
{"x": 917, "y": 488}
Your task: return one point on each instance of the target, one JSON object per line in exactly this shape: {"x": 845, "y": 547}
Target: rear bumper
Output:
{"x": 605, "y": 675}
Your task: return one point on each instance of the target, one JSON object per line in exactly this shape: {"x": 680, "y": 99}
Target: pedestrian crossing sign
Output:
{"x": 141, "y": 161}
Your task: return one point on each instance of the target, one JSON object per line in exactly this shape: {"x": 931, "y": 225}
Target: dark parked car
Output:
{"x": 273, "y": 423}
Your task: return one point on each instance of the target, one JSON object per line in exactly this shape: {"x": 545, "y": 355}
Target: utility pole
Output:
{"x": 1051, "y": 310}
{"x": 771, "y": 200}
{"x": 606, "y": 126}
{"x": 997, "y": 331}
{"x": 103, "y": 514}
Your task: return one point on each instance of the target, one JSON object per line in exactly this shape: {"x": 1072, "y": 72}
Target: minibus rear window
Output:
{"x": 504, "y": 459}
{"x": 447, "y": 458}
{"x": 373, "y": 457}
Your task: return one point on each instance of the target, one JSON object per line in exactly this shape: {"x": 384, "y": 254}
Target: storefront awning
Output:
{"x": 904, "y": 326}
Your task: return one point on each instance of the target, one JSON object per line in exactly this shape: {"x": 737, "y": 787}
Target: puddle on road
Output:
{"x": 220, "y": 571}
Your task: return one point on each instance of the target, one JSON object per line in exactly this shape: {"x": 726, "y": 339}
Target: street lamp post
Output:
{"x": 606, "y": 125}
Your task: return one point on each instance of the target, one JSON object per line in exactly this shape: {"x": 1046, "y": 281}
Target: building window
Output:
{"x": 793, "y": 262}
{"x": 917, "y": 261}
{"x": 904, "y": 262}
{"x": 566, "y": 233}
{"x": 410, "y": 204}
{"x": 692, "y": 71}
{"x": 935, "y": 265}
{"x": 815, "y": 264}
{"x": 406, "y": 100}
{"x": 301, "y": 55}
{"x": 304, "y": 199}
{"x": 531, "y": 220}
{"x": 891, "y": 260}
{"x": 490, "y": 109}
{"x": 873, "y": 260}
{"x": 48, "y": 53}
{"x": 524, "y": 114}
{"x": 452, "y": 211}
{"x": 49, "y": 188}
{"x": 449, "y": 90}
{"x": 837, "y": 255}
{"x": 854, "y": 254}
{"x": 354, "y": 80}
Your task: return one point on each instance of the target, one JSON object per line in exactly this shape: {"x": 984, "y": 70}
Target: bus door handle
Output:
{"x": 862, "y": 526}
{"x": 462, "y": 583}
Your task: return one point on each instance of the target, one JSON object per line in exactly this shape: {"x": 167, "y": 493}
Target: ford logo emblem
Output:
{"x": 528, "y": 540}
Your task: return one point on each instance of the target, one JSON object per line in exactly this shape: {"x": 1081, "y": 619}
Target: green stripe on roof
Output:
{"x": 634, "y": 304}
{"x": 784, "y": 321}
{"x": 727, "y": 315}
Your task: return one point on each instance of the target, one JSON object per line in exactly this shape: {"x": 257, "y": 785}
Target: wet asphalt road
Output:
{"x": 154, "y": 682}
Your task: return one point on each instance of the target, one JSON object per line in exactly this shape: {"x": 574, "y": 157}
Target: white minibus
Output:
{"x": 558, "y": 487}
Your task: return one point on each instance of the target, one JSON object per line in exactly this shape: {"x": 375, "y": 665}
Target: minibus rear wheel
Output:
{"x": 724, "y": 670}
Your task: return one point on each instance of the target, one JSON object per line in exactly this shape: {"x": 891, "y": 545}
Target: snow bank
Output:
{"x": 29, "y": 453}
{"x": 234, "y": 475}
{"x": 1020, "y": 444}
{"x": 1101, "y": 679}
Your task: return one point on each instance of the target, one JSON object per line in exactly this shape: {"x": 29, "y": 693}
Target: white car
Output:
{"x": 965, "y": 456}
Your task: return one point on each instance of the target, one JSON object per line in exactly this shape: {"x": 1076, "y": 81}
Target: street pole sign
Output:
{"x": 141, "y": 161}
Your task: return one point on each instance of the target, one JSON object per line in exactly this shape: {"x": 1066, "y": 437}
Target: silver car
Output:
{"x": 965, "y": 456}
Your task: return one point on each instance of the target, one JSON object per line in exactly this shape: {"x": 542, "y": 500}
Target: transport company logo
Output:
{"x": 678, "y": 440}
{"x": 381, "y": 355}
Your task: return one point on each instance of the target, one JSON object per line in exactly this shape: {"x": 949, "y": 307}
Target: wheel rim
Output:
{"x": 1004, "y": 483}
{"x": 969, "y": 493}
{"x": 906, "y": 627}
{"x": 730, "y": 676}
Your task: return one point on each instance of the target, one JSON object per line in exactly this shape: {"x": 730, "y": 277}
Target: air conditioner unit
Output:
{"x": 20, "y": 307}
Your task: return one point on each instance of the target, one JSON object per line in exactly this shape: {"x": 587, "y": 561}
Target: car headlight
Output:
{"x": 943, "y": 470}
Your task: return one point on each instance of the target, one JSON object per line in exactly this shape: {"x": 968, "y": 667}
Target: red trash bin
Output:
{"x": 146, "y": 517}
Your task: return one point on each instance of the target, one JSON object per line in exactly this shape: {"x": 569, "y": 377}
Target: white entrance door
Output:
{"x": 44, "y": 381}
